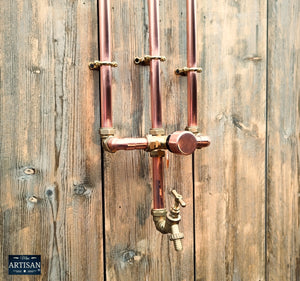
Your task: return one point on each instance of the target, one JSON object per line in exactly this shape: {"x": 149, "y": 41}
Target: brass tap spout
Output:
{"x": 169, "y": 222}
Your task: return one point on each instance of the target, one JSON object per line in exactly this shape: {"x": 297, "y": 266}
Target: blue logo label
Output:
{"x": 24, "y": 265}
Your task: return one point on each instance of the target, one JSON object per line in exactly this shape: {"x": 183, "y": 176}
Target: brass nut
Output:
{"x": 176, "y": 236}
{"x": 158, "y": 212}
{"x": 157, "y": 131}
{"x": 157, "y": 153}
{"x": 106, "y": 132}
{"x": 174, "y": 216}
{"x": 193, "y": 129}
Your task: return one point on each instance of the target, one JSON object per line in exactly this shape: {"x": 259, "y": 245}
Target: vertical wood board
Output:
{"x": 229, "y": 175}
{"x": 283, "y": 232}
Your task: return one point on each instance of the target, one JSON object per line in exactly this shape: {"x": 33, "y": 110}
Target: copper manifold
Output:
{"x": 180, "y": 142}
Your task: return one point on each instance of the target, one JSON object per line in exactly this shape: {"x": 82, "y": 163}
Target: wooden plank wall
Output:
{"x": 50, "y": 154}
{"x": 59, "y": 191}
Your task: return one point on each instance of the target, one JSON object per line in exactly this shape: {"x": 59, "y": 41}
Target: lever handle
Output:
{"x": 178, "y": 198}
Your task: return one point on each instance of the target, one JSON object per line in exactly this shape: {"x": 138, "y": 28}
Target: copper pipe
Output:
{"x": 202, "y": 141}
{"x": 105, "y": 70}
{"x": 156, "y": 108}
{"x": 158, "y": 183}
{"x": 115, "y": 144}
{"x": 191, "y": 62}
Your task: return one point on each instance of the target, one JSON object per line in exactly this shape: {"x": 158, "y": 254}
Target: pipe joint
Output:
{"x": 106, "y": 132}
{"x": 156, "y": 142}
{"x": 105, "y": 142}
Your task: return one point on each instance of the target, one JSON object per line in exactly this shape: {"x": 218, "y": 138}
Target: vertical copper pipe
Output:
{"x": 105, "y": 71}
{"x": 191, "y": 62}
{"x": 156, "y": 111}
{"x": 158, "y": 183}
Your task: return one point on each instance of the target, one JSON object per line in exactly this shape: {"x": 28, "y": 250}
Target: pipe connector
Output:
{"x": 168, "y": 223}
{"x": 106, "y": 132}
{"x": 159, "y": 218}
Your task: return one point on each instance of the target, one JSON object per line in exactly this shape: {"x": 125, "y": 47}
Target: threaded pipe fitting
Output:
{"x": 178, "y": 245}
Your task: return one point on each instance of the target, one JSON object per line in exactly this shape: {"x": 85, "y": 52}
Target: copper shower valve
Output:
{"x": 180, "y": 142}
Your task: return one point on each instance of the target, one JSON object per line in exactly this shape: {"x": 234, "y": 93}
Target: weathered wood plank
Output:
{"x": 134, "y": 249}
{"x": 229, "y": 177}
{"x": 49, "y": 119}
{"x": 283, "y": 141}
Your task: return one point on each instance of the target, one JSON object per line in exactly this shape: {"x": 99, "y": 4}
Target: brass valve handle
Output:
{"x": 178, "y": 199}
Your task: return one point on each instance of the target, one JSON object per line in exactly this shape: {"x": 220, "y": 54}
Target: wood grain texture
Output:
{"x": 283, "y": 173}
{"x": 135, "y": 250}
{"x": 49, "y": 119}
{"x": 229, "y": 175}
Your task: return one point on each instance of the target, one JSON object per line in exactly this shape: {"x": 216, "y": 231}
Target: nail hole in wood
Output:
{"x": 29, "y": 171}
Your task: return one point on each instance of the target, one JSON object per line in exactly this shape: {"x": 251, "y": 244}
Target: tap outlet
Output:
{"x": 176, "y": 237}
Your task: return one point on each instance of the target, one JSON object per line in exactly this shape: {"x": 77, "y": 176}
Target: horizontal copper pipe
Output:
{"x": 115, "y": 144}
{"x": 202, "y": 141}
{"x": 156, "y": 108}
{"x": 191, "y": 62}
{"x": 105, "y": 71}
{"x": 158, "y": 183}
{"x": 180, "y": 142}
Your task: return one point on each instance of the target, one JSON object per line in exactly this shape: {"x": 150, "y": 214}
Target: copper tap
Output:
{"x": 169, "y": 222}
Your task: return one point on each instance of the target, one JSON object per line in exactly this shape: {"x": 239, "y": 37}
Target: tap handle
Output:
{"x": 182, "y": 142}
{"x": 178, "y": 198}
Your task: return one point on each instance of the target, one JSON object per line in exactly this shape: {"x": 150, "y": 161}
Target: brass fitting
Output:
{"x": 159, "y": 218}
{"x": 183, "y": 71}
{"x": 157, "y": 153}
{"x": 95, "y": 65}
{"x": 105, "y": 143}
{"x": 106, "y": 132}
{"x": 146, "y": 59}
{"x": 156, "y": 142}
{"x": 169, "y": 222}
{"x": 157, "y": 131}
{"x": 194, "y": 130}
